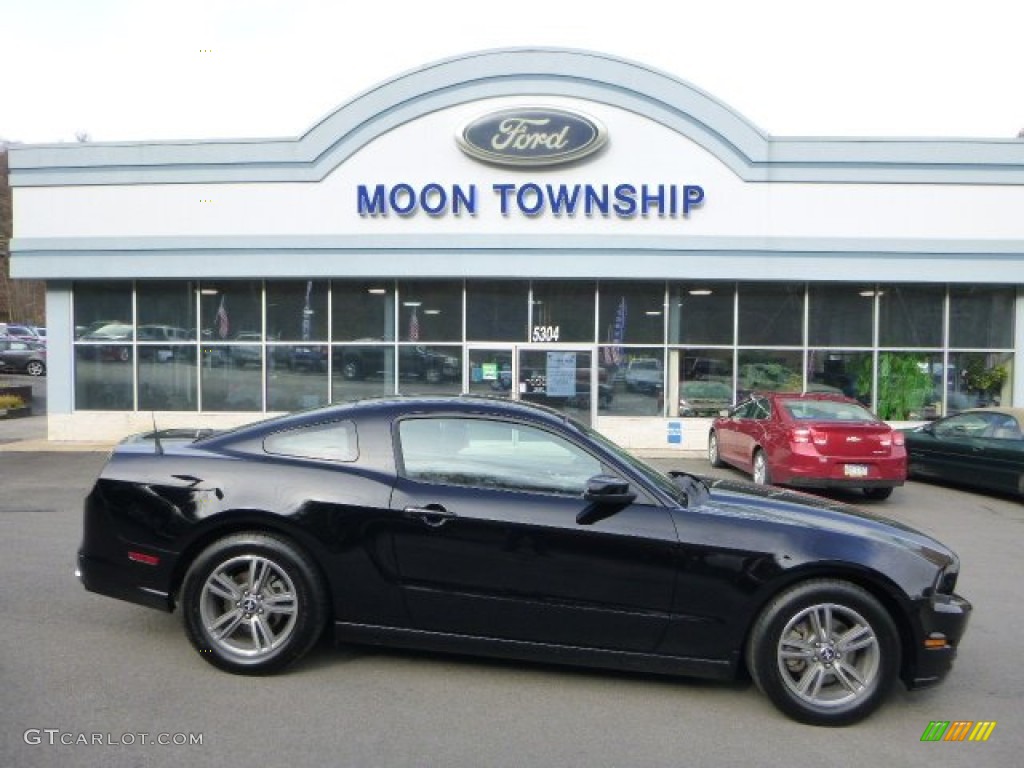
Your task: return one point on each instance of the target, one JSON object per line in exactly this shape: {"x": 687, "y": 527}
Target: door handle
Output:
{"x": 434, "y": 515}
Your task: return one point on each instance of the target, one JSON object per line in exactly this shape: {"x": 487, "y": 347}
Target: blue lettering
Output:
{"x": 403, "y": 199}
{"x": 561, "y": 198}
{"x": 594, "y": 199}
{"x": 504, "y": 190}
{"x": 647, "y": 200}
{"x": 461, "y": 200}
{"x": 375, "y": 206}
{"x": 436, "y": 193}
{"x": 625, "y": 195}
{"x": 693, "y": 196}
{"x": 524, "y": 196}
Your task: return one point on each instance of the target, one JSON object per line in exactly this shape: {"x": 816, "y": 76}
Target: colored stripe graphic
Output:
{"x": 958, "y": 730}
{"x": 982, "y": 730}
{"x": 935, "y": 731}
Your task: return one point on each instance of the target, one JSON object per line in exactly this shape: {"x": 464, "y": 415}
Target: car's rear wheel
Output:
{"x": 713, "y": 455}
{"x": 825, "y": 652}
{"x": 878, "y": 494}
{"x": 762, "y": 472}
{"x": 253, "y": 603}
{"x": 35, "y": 368}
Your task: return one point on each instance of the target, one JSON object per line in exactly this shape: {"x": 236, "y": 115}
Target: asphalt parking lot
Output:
{"x": 79, "y": 667}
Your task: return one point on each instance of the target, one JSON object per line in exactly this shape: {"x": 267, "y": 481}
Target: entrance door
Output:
{"x": 561, "y": 378}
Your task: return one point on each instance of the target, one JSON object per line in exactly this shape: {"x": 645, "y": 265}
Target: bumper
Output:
{"x": 942, "y": 617}
{"x": 104, "y": 578}
{"x": 815, "y": 471}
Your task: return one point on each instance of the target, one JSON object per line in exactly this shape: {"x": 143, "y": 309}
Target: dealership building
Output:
{"x": 541, "y": 224}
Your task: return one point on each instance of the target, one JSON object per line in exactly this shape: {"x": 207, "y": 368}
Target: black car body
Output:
{"x": 478, "y": 525}
{"x": 979, "y": 447}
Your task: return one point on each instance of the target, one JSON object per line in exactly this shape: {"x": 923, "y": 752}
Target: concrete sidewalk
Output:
{"x": 29, "y": 435}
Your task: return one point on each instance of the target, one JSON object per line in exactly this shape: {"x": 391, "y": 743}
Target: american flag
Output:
{"x": 223, "y": 326}
{"x": 414, "y": 326}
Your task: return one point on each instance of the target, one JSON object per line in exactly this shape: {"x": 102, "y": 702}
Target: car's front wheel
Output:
{"x": 253, "y": 603}
{"x": 35, "y": 368}
{"x": 825, "y": 652}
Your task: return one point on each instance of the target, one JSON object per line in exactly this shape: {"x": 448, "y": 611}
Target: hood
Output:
{"x": 786, "y": 507}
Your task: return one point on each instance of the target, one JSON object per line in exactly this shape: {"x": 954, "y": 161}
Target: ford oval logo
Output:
{"x": 531, "y": 136}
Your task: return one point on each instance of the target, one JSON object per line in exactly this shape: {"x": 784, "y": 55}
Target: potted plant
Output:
{"x": 13, "y": 407}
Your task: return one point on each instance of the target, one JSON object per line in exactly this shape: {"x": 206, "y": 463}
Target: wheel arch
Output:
{"x": 234, "y": 522}
{"x": 879, "y": 586}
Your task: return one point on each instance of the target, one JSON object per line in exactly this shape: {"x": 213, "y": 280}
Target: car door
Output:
{"x": 490, "y": 542}
{"x": 1003, "y": 454}
{"x": 748, "y": 431}
{"x": 952, "y": 448}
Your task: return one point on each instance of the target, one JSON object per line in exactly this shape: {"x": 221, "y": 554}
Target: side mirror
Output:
{"x": 608, "y": 489}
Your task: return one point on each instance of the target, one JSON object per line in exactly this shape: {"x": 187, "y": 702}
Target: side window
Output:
{"x": 493, "y": 454}
{"x": 962, "y": 425}
{"x": 334, "y": 441}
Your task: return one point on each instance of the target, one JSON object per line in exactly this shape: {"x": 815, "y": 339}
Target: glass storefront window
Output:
{"x": 771, "y": 314}
{"x": 297, "y": 310}
{"x": 978, "y": 379}
{"x": 764, "y": 370}
{"x": 231, "y": 378}
{"x": 562, "y": 311}
{"x": 100, "y": 305}
{"x": 910, "y": 315}
{"x": 490, "y": 372}
{"x": 631, "y": 313}
{"x": 846, "y": 373}
{"x": 704, "y": 380}
{"x": 360, "y": 371}
{"x": 840, "y": 315}
{"x": 103, "y": 378}
{"x": 702, "y": 313}
{"x": 363, "y": 311}
{"x": 296, "y": 376}
{"x": 231, "y": 310}
{"x": 166, "y": 311}
{"x": 430, "y": 311}
{"x": 981, "y": 317}
{"x": 909, "y": 385}
{"x": 635, "y": 378}
{"x": 167, "y": 379}
{"x": 431, "y": 370}
{"x": 497, "y": 311}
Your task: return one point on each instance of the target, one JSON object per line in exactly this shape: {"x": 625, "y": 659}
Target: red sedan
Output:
{"x": 812, "y": 440}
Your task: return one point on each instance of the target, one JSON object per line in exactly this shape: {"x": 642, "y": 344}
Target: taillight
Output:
{"x": 898, "y": 438}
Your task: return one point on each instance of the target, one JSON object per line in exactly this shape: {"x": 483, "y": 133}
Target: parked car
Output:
{"x": 813, "y": 440}
{"x": 704, "y": 398}
{"x": 982, "y": 447}
{"x": 23, "y": 357}
{"x": 21, "y": 332}
{"x": 104, "y": 343}
{"x": 644, "y": 374}
{"x": 415, "y": 361}
{"x": 481, "y": 525}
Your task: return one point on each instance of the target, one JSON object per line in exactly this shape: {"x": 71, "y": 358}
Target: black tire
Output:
{"x": 761, "y": 472}
{"x": 878, "y": 494}
{"x": 827, "y": 676}
{"x": 713, "y": 455}
{"x": 266, "y": 629}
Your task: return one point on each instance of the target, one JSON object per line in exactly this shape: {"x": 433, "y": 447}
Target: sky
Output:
{"x": 138, "y": 70}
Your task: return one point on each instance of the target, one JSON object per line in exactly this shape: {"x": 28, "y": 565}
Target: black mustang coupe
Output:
{"x": 483, "y": 526}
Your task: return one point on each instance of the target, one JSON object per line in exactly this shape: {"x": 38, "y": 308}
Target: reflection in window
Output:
{"x": 167, "y": 310}
{"x": 846, "y": 373}
{"x": 493, "y": 455}
{"x": 430, "y": 311}
{"x": 360, "y": 371}
{"x": 978, "y": 380}
{"x": 631, "y": 313}
{"x": 231, "y": 310}
{"x": 840, "y": 315}
{"x": 103, "y": 378}
{"x": 909, "y": 385}
{"x": 296, "y": 376}
{"x": 635, "y": 377}
{"x": 771, "y": 314}
{"x": 363, "y": 311}
{"x": 910, "y": 315}
{"x": 235, "y": 383}
{"x": 101, "y": 304}
{"x": 426, "y": 370}
{"x": 497, "y": 311}
{"x": 297, "y": 310}
{"x": 702, "y": 313}
{"x": 566, "y": 307}
{"x": 705, "y": 380}
{"x": 764, "y": 370}
{"x": 981, "y": 317}
{"x": 167, "y": 379}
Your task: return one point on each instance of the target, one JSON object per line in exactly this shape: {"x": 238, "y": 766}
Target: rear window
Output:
{"x": 334, "y": 441}
{"x": 826, "y": 410}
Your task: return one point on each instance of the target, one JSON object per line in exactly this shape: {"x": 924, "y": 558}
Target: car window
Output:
{"x": 962, "y": 425}
{"x": 334, "y": 441}
{"x": 493, "y": 454}
{"x": 1005, "y": 427}
{"x": 826, "y": 410}
{"x": 762, "y": 409}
